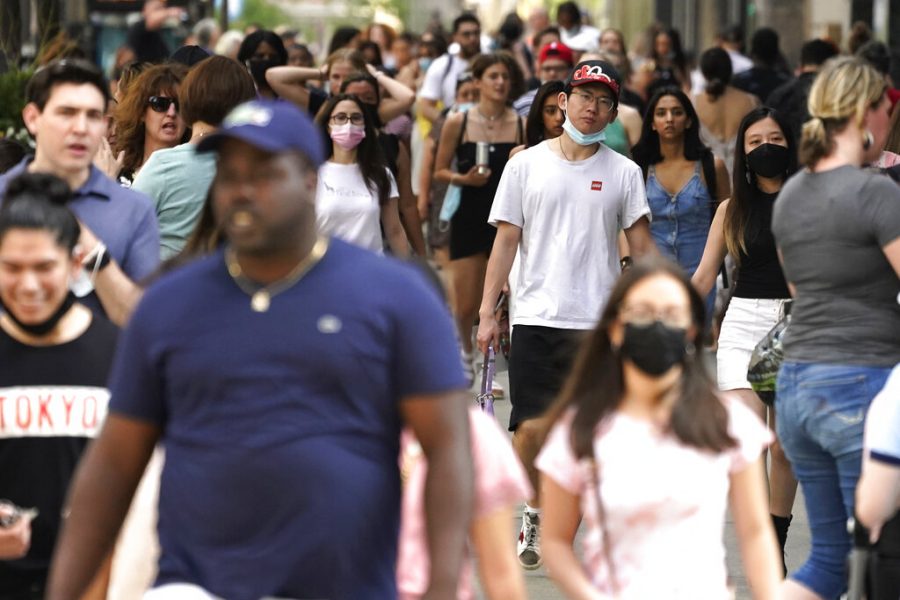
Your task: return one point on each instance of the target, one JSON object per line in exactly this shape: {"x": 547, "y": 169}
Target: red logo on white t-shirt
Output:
{"x": 596, "y": 186}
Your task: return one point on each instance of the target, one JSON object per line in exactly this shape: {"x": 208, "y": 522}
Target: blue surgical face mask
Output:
{"x": 465, "y": 107}
{"x": 580, "y": 138}
{"x": 424, "y": 63}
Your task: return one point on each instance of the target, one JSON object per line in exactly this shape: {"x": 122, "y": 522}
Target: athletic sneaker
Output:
{"x": 529, "y": 546}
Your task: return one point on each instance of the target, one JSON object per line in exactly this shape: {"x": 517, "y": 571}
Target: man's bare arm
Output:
{"x": 503, "y": 253}
{"x": 441, "y": 425}
{"x": 428, "y": 109}
{"x": 639, "y": 239}
{"x": 99, "y": 498}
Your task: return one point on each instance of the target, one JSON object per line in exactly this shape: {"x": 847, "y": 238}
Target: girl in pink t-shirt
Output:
{"x": 645, "y": 448}
{"x": 500, "y": 484}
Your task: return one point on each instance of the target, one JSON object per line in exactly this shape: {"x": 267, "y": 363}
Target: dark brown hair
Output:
{"x": 132, "y": 108}
{"x": 69, "y": 70}
{"x": 213, "y": 88}
{"x": 483, "y": 62}
{"x": 744, "y": 188}
{"x": 596, "y": 385}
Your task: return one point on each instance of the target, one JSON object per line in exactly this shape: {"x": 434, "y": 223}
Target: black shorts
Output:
{"x": 539, "y": 361}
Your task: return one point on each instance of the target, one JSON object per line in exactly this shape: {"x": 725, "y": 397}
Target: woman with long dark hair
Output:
{"x": 545, "y": 119}
{"x": 637, "y": 418}
{"x": 260, "y": 51}
{"x": 357, "y": 194}
{"x": 55, "y": 356}
{"x": 765, "y": 156}
{"x": 837, "y": 230}
{"x": 684, "y": 180}
{"x": 396, "y": 152}
{"x": 495, "y": 124}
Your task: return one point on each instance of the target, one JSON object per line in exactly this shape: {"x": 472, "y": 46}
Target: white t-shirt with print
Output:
{"x": 570, "y": 214}
{"x": 436, "y": 86}
{"x": 347, "y": 208}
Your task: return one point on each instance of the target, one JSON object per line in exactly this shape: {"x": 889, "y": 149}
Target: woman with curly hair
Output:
{"x": 147, "y": 117}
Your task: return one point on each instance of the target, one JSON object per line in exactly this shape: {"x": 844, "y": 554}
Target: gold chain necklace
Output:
{"x": 261, "y": 296}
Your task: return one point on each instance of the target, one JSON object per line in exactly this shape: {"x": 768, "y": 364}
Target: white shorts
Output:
{"x": 746, "y": 322}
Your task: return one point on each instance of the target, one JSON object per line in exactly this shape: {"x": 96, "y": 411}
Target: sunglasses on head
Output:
{"x": 161, "y": 104}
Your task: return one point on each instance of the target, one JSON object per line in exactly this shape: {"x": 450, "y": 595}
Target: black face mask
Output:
{"x": 768, "y": 160}
{"x": 41, "y": 329}
{"x": 654, "y": 348}
{"x": 258, "y": 68}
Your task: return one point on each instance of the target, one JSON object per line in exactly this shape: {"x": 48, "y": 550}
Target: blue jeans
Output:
{"x": 821, "y": 414}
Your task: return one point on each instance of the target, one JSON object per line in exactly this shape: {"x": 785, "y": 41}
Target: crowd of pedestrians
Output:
{"x": 246, "y": 292}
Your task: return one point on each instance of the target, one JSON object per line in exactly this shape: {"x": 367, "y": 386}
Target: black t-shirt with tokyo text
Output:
{"x": 53, "y": 399}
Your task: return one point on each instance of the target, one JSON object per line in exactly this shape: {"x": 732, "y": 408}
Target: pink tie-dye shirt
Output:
{"x": 665, "y": 503}
{"x": 500, "y": 481}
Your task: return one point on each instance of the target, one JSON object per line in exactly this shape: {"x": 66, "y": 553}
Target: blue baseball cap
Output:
{"x": 270, "y": 125}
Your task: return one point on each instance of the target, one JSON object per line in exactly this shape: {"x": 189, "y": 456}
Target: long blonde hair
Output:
{"x": 844, "y": 90}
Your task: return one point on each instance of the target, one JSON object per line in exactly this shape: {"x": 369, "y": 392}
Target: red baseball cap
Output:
{"x": 556, "y": 50}
{"x": 595, "y": 71}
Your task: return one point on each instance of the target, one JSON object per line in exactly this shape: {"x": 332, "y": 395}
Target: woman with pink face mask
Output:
{"x": 357, "y": 195}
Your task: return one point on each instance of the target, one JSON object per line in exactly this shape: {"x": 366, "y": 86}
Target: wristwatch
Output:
{"x": 99, "y": 262}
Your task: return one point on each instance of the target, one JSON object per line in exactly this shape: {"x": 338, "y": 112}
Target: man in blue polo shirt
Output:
{"x": 277, "y": 373}
{"x": 67, "y": 102}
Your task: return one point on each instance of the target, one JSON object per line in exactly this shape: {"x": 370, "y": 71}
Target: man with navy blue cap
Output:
{"x": 277, "y": 374}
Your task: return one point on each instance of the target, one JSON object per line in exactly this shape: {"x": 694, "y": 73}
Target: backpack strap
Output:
{"x": 447, "y": 69}
{"x": 708, "y": 161}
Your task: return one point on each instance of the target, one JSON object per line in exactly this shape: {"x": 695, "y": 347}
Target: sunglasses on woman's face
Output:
{"x": 161, "y": 104}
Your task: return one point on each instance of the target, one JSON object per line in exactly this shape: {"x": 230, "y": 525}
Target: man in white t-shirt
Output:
{"x": 440, "y": 79}
{"x": 560, "y": 205}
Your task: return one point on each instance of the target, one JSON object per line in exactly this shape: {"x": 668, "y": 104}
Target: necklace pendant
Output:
{"x": 260, "y": 301}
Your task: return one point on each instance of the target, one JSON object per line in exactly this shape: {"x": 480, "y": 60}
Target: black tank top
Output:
{"x": 760, "y": 274}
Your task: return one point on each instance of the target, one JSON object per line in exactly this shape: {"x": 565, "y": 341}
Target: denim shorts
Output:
{"x": 821, "y": 415}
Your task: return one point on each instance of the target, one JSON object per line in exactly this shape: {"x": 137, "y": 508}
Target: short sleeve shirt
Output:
{"x": 349, "y": 209}
{"x": 665, "y": 536}
{"x": 53, "y": 400}
{"x": 570, "y": 214}
{"x": 282, "y": 428}
{"x": 831, "y": 228}
{"x": 500, "y": 482}
{"x": 440, "y": 79}
{"x": 121, "y": 218}
{"x": 177, "y": 180}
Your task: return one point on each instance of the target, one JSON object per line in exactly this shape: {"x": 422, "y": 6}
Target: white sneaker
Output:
{"x": 529, "y": 546}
